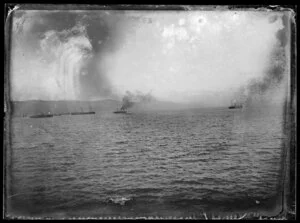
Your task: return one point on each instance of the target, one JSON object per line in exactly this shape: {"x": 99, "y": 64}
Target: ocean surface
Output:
{"x": 148, "y": 163}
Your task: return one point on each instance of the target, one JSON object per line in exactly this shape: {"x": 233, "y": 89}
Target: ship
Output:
{"x": 126, "y": 103}
{"x": 121, "y": 111}
{"x": 42, "y": 116}
{"x": 235, "y": 105}
{"x": 82, "y": 113}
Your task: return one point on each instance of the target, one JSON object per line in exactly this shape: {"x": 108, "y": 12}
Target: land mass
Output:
{"x": 37, "y": 107}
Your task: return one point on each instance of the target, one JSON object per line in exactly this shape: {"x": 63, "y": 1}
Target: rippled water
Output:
{"x": 163, "y": 163}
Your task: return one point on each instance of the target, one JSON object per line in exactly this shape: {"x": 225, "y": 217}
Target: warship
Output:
{"x": 121, "y": 111}
{"x": 42, "y": 116}
{"x": 235, "y": 105}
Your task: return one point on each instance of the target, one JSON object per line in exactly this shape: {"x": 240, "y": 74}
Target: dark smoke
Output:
{"x": 273, "y": 75}
{"x": 127, "y": 101}
{"x": 130, "y": 99}
{"x": 276, "y": 70}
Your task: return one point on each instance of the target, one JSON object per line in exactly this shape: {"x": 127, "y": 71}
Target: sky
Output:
{"x": 179, "y": 56}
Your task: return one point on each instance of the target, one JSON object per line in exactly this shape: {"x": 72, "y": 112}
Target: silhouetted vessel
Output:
{"x": 82, "y": 113}
{"x": 42, "y": 116}
{"x": 235, "y": 105}
{"x": 120, "y": 112}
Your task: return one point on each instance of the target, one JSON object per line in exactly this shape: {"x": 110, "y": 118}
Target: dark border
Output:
{"x": 290, "y": 111}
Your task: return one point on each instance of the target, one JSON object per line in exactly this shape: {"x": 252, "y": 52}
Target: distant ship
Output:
{"x": 82, "y": 113}
{"x": 127, "y": 103}
{"x": 59, "y": 114}
{"x": 235, "y": 105}
{"x": 42, "y": 116}
{"x": 121, "y": 111}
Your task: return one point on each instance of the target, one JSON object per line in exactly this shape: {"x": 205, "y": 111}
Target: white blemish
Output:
{"x": 181, "y": 22}
{"x": 11, "y": 10}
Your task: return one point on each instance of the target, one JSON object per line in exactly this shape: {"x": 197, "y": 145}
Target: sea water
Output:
{"x": 148, "y": 163}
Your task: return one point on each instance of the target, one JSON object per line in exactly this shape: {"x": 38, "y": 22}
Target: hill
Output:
{"x": 35, "y": 107}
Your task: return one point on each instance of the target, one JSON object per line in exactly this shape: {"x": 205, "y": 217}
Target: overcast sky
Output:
{"x": 177, "y": 55}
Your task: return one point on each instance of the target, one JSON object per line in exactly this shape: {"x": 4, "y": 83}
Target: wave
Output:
{"x": 121, "y": 142}
{"x": 118, "y": 200}
{"x": 186, "y": 182}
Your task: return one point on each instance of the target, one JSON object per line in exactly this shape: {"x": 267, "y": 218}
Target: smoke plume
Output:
{"x": 56, "y": 55}
{"x": 130, "y": 99}
{"x": 275, "y": 73}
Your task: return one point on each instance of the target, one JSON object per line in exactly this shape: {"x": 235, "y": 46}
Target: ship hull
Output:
{"x": 72, "y": 113}
{"x": 82, "y": 113}
{"x": 235, "y": 107}
{"x": 120, "y": 112}
{"x": 41, "y": 116}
